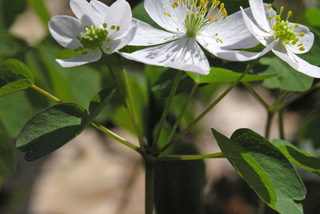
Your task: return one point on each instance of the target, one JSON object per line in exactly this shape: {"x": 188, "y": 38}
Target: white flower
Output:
{"x": 97, "y": 28}
{"x": 287, "y": 38}
{"x": 189, "y": 23}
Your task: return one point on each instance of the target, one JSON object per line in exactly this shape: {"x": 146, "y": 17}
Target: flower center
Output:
{"x": 93, "y": 37}
{"x": 284, "y": 30}
{"x": 199, "y": 13}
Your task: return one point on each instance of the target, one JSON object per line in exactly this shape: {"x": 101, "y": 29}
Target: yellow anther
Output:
{"x": 202, "y": 3}
{"x": 104, "y": 25}
{"x": 269, "y": 18}
{"x": 302, "y": 49}
{"x": 167, "y": 14}
{"x": 287, "y": 42}
{"x": 289, "y": 14}
{"x": 301, "y": 34}
{"x": 108, "y": 40}
{"x": 217, "y": 3}
{"x": 113, "y": 27}
{"x": 178, "y": 29}
{"x": 205, "y": 9}
{"x": 296, "y": 25}
{"x": 210, "y": 19}
{"x": 118, "y": 28}
{"x": 300, "y": 44}
{"x": 221, "y": 6}
{"x": 216, "y": 20}
{"x": 277, "y": 33}
{"x": 269, "y": 6}
{"x": 281, "y": 9}
{"x": 108, "y": 49}
{"x": 192, "y": 2}
{"x": 277, "y": 17}
{"x": 198, "y": 8}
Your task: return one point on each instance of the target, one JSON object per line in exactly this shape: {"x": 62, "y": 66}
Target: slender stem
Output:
{"x": 288, "y": 102}
{"x": 116, "y": 137}
{"x": 166, "y": 110}
{"x": 189, "y": 157}
{"x": 149, "y": 188}
{"x": 45, "y": 93}
{"x": 175, "y": 126}
{"x": 131, "y": 117}
{"x": 209, "y": 108}
{"x": 281, "y": 125}
{"x": 268, "y": 124}
{"x": 256, "y": 95}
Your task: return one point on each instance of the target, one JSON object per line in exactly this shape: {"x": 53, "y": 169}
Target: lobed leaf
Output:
{"x": 221, "y": 75}
{"x": 268, "y": 172}
{"x": 298, "y": 157}
{"x": 14, "y": 76}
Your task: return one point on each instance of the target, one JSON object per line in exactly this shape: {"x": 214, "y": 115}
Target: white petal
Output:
{"x": 232, "y": 31}
{"x": 100, "y": 8}
{"x": 81, "y": 59}
{"x": 259, "y": 13}
{"x": 307, "y": 40}
{"x": 297, "y": 63}
{"x": 157, "y": 9}
{"x": 235, "y": 55}
{"x": 119, "y": 15}
{"x": 147, "y": 35}
{"x": 117, "y": 44}
{"x": 65, "y": 30}
{"x": 184, "y": 54}
{"x": 261, "y": 35}
{"x": 84, "y": 12}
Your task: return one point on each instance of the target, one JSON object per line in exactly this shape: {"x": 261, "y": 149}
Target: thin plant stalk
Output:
{"x": 149, "y": 188}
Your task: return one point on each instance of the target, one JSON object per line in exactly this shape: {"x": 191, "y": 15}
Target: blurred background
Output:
{"x": 95, "y": 175}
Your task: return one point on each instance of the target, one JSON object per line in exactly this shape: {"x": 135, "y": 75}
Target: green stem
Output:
{"x": 116, "y": 137}
{"x": 268, "y": 124}
{"x": 45, "y": 93}
{"x": 166, "y": 111}
{"x": 149, "y": 188}
{"x": 282, "y": 105}
{"x": 189, "y": 157}
{"x": 131, "y": 117}
{"x": 209, "y": 108}
{"x": 281, "y": 125}
{"x": 175, "y": 126}
{"x": 256, "y": 95}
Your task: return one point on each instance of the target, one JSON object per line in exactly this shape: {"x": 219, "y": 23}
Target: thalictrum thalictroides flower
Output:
{"x": 290, "y": 38}
{"x": 189, "y": 23}
{"x": 97, "y": 28}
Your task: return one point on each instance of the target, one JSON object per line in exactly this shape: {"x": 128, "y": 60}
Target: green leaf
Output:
{"x": 268, "y": 172}
{"x": 68, "y": 53}
{"x": 98, "y": 102}
{"x": 313, "y": 16}
{"x": 14, "y": 76}
{"x": 179, "y": 185}
{"x": 50, "y": 129}
{"x": 221, "y": 75}
{"x": 10, "y": 107}
{"x": 9, "y": 45}
{"x": 55, "y": 126}
{"x": 288, "y": 79}
{"x": 7, "y": 154}
{"x": 298, "y": 157}
{"x": 41, "y": 10}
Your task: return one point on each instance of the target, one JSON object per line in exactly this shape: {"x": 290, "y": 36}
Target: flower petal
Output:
{"x": 235, "y": 55}
{"x": 100, "y": 8}
{"x": 119, "y": 15}
{"x": 184, "y": 54}
{"x": 84, "y": 12}
{"x": 307, "y": 40}
{"x": 65, "y": 30}
{"x": 259, "y": 14}
{"x": 117, "y": 44}
{"x": 81, "y": 59}
{"x": 172, "y": 21}
{"x": 297, "y": 63}
{"x": 232, "y": 31}
{"x": 264, "y": 37}
{"x": 147, "y": 35}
